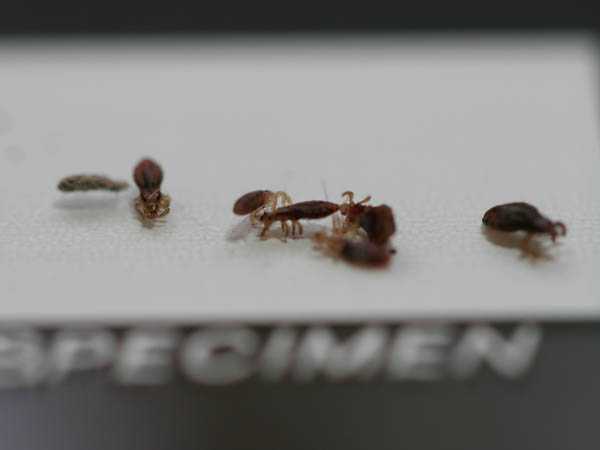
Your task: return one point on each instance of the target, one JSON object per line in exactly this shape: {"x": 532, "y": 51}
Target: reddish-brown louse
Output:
{"x": 361, "y": 253}
{"x": 255, "y": 202}
{"x": 314, "y": 209}
{"x": 521, "y": 216}
{"x": 152, "y": 203}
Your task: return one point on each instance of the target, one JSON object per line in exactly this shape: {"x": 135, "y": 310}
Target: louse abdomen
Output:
{"x": 379, "y": 224}
{"x": 518, "y": 216}
{"x": 148, "y": 176}
{"x": 250, "y": 202}
{"x": 314, "y": 209}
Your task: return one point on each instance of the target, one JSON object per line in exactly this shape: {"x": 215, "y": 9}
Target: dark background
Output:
{"x": 76, "y": 16}
{"x": 554, "y": 407}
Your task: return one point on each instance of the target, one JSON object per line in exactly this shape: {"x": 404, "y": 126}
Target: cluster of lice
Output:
{"x": 363, "y": 237}
{"x": 263, "y": 207}
{"x": 148, "y": 176}
{"x": 151, "y": 203}
{"x": 521, "y": 216}
{"x": 84, "y": 182}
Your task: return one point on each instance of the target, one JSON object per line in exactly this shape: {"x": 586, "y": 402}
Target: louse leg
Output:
{"x": 367, "y": 199}
{"x": 560, "y": 228}
{"x": 164, "y": 212}
{"x": 526, "y": 242}
{"x": 139, "y": 206}
{"x": 286, "y": 230}
{"x": 336, "y": 224}
{"x": 528, "y": 250}
{"x": 254, "y": 216}
{"x": 272, "y": 202}
{"x": 300, "y": 229}
{"x": 266, "y": 225}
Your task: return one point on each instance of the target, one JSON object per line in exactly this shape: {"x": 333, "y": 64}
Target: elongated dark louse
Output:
{"x": 90, "y": 182}
{"x": 311, "y": 210}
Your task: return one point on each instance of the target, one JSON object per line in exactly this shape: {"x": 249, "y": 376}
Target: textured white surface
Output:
{"x": 440, "y": 131}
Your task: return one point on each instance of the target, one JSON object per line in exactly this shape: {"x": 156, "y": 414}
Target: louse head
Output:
{"x": 349, "y": 208}
{"x": 67, "y": 184}
{"x": 557, "y": 229}
{"x": 489, "y": 217}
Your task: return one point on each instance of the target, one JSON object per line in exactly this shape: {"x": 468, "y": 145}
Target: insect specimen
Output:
{"x": 521, "y": 216}
{"x": 84, "y": 182}
{"x": 358, "y": 252}
{"x": 255, "y": 202}
{"x": 152, "y": 203}
{"x": 313, "y": 209}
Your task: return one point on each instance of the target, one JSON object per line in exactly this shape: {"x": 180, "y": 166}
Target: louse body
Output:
{"x": 311, "y": 210}
{"x": 77, "y": 183}
{"x": 255, "y": 202}
{"x": 521, "y": 216}
{"x": 152, "y": 203}
{"x": 379, "y": 224}
{"x": 361, "y": 253}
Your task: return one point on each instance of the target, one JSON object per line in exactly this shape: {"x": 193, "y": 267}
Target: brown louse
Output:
{"x": 311, "y": 210}
{"x": 152, "y": 203}
{"x": 90, "y": 182}
{"x": 255, "y": 202}
{"x": 521, "y": 216}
